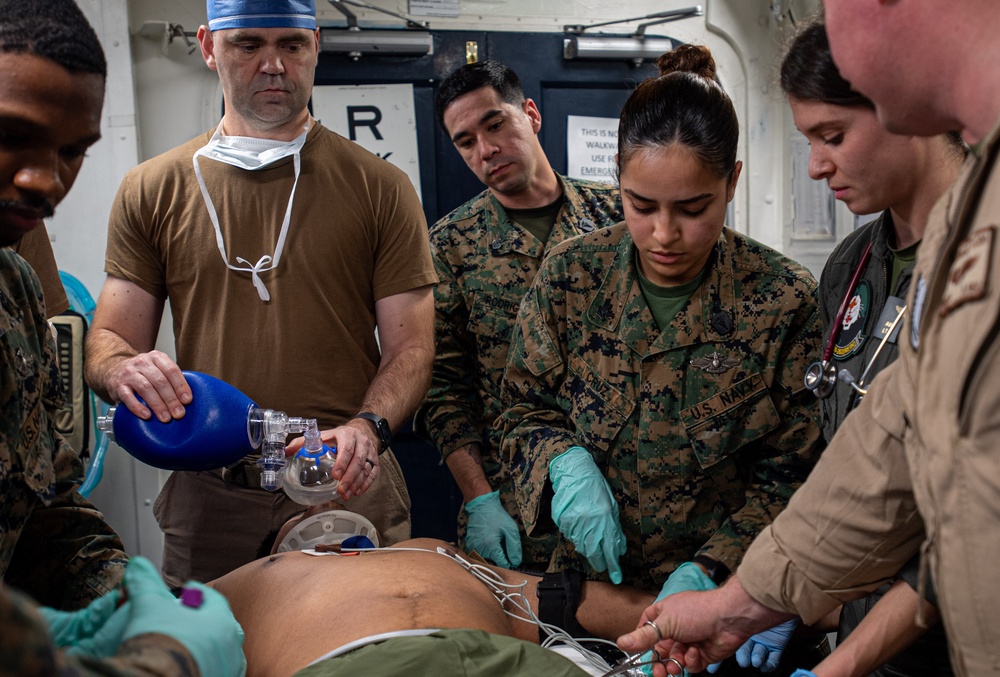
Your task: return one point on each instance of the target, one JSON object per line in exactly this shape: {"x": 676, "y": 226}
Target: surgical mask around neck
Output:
{"x": 327, "y": 528}
{"x": 247, "y": 152}
{"x": 251, "y": 154}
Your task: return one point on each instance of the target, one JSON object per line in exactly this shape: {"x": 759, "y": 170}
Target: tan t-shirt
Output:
{"x": 357, "y": 235}
{"x": 36, "y": 249}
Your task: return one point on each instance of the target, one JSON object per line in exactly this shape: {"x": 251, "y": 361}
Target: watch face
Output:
{"x": 381, "y": 428}
{"x": 383, "y": 431}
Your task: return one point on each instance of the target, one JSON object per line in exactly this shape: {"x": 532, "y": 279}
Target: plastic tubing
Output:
{"x": 95, "y": 471}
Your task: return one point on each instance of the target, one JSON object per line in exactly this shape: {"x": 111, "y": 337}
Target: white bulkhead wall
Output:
{"x": 159, "y": 96}
{"x": 178, "y": 97}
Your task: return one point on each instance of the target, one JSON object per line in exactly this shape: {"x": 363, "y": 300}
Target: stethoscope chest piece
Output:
{"x": 821, "y": 377}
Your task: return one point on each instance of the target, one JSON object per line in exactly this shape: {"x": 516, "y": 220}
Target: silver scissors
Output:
{"x": 635, "y": 662}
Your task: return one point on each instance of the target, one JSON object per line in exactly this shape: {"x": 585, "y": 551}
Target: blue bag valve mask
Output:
{"x": 220, "y": 427}
{"x": 214, "y": 432}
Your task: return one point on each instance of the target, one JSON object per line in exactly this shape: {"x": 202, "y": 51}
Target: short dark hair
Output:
{"x": 808, "y": 72}
{"x": 684, "y": 105}
{"x": 473, "y": 76}
{"x": 52, "y": 29}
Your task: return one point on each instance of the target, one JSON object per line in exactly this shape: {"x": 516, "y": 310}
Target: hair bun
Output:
{"x": 696, "y": 59}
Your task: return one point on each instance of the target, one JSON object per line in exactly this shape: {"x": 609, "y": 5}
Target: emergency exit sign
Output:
{"x": 445, "y": 8}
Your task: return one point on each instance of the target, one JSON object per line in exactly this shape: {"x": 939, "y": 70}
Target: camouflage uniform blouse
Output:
{"x": 26, "y": 649}
{"x": 54, "y": 545}
{"x": 703, "y": 431}
{"x": 485, "y": 263}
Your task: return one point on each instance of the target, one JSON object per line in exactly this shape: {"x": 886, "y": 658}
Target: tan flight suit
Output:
{"x": 919, "y": 461}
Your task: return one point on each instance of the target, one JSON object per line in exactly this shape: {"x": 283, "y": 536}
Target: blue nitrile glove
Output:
{"x": 93, "y": 631}
{"x": 585, "y": 510}
{"x": 764, "y": 649}
{"x": 209, "y": 632}
{"x": 802, "y": 672}
{"x": 492, "y": 531}
{"x": 684, "y": 578}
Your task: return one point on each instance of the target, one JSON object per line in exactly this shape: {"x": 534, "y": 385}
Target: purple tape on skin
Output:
{"x": 192, "y": 597}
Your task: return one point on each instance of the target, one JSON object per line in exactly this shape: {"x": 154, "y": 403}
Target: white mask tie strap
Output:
{"x": 266, "y": 262}
{"x": 255, "y": 271}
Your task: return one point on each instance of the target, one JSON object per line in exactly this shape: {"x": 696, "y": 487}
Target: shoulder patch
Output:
{"x": 970, "y": 270}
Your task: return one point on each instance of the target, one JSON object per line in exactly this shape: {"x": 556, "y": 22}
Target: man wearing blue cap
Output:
{"x": 54, "y": 545}
{"x": 280, "y": 246}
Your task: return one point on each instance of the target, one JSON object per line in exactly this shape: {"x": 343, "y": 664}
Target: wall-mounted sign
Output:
{"x": 591, "y": 144}
{"x": 379, "y": 118}
{"x": 447, "y": 8}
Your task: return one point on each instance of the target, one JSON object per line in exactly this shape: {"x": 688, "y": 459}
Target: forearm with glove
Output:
{"x": 585, "y": 510}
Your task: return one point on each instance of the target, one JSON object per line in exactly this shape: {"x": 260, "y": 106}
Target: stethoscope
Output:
{"x": 822, "y": 376}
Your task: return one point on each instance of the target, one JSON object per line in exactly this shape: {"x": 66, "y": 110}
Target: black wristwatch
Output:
{"x": 715, "y": 569}
{"x": 381, "y": 428}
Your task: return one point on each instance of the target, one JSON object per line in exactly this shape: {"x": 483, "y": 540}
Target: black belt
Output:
{"x": 244, "y": 473}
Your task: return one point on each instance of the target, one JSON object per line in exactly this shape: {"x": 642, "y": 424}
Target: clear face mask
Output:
{"x": 332, "y": 527}
{"x": 308, "y": 475}
{"x": 250, "y": 154}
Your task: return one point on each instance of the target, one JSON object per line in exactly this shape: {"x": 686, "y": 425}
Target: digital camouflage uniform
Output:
{"x": 485, "y": 263}
{"x": 26, "y": 649}
{"x": 703, "y": 431}
{"x": 36, "y": 248}
{"x": 54, "y": 545}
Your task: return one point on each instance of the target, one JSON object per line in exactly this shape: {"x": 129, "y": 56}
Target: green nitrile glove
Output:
{"x": 106, "y": 640}
{"x": 492, "y": 532}
{"x": 585, "y": 510}
{"x": 687, "y": 576}
{"x": 209, "y": 632}
{"x": 93, "y": 631}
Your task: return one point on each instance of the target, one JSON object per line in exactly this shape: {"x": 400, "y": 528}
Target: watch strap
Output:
{"x": 381, "y": 429}
{"x": 715, "y": 569}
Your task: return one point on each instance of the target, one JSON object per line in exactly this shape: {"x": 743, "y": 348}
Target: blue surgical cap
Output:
{"x": 224, "y": 14}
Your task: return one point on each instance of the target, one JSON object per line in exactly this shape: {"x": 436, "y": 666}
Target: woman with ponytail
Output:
{"x": 656, "y": 415}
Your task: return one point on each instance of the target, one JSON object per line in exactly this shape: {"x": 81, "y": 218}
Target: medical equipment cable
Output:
{"x": 95, "y": 468}
{"x": 500, "y": 589}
